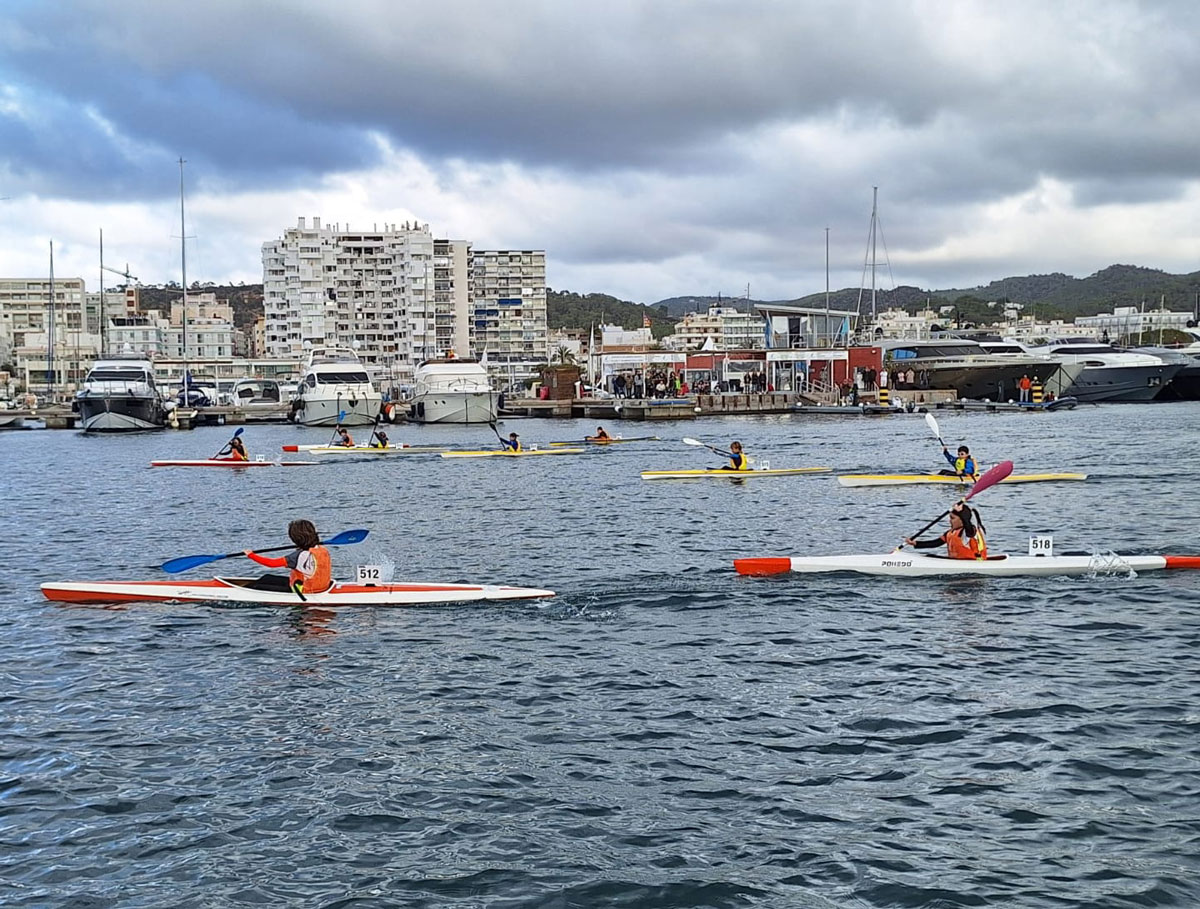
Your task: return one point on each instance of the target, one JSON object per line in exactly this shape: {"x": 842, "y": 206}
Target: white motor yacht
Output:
{"x": 452, "y": 390}
{"x": 120, "y": 396}
{"x": 335, "y": 389}
{"x": 1110, "y": 374}
{"x": 967, "y": 367}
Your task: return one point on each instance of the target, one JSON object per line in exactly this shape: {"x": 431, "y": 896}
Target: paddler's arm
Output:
{"x": 266, "y": 561}
{"x": 949, "y": 457}
{"x": 926, "y": 544}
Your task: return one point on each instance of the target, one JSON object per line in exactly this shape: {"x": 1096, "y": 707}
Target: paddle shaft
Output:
{"x": 989, "y": 479}
{"x": 174, "y": 566}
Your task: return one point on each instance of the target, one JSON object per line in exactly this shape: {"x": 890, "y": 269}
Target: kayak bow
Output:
{"x": 236, "y": 590}
{"x": 908, "y": 479}
{"x": 365, "y": 449}
{"x": 908, "y": 564}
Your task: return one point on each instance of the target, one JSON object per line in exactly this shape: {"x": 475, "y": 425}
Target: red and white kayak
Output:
{"x": 909, "y": 564}
{"x": 225, "y": 462}
{"x": 236, "y": 590}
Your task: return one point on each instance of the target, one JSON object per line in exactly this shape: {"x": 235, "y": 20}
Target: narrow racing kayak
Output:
{"x": 237, "y": 590}
{"x": 616, "y": 441}
{"x": 730, "y": 474}
{"x": 366, "y": 449}
{"x": 908, "y": 479}
{"x": 910, "y": 564}
{"x": 221, "y": 462}
{"x": 524, "y": 452}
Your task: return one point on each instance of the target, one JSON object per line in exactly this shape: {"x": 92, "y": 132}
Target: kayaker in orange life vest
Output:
{"x": 964, "y": 539}
{"x": 600, "y": 436}
{"x": 237, "y": 450}
{"x": 309, "y": 566}
{"x": 344, "y": 438}
{"x": 737, "y": 458}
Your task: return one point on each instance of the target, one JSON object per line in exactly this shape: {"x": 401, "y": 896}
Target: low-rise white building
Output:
{"x": 721, "y": 328}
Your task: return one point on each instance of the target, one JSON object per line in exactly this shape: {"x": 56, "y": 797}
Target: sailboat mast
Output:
{"x": 183, "y": 269}
{"x": 103, "y": 332}
{"x": 50, "y": 335}
{"x": 874, "y": 223}
{"x": 828, "y": 333}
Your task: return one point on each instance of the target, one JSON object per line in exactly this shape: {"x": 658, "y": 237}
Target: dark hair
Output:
{"x": 303, "y": 534}
{"x": 964, "y": 448}
{"x": 970, "y": 519}
{"x": 738, "y": 444}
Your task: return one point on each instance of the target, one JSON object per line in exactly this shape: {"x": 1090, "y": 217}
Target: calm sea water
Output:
{"x": 662, "y": 734}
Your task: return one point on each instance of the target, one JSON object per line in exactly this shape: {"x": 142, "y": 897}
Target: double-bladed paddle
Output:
{"x": 183, "y": 563}
{"x": 700, "y": 444}
{"x": 337, "y": 426}
{"x": 932, "y": 423}
{"x": 229, "y": 445}
{"x": 990, "y": 478}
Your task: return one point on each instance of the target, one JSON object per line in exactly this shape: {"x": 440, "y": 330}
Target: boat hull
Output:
{"x": 905, "y": 479}
{"x": 453, "y": 407}
{"x": 910, "y": 564}
{"x": 1124, "y": 384}
{"x": 531, "y": 452}
{"x": 731, "y": 474}
{"x": 236, "y": 465}
{"x": 233, "y": 590}
{"x": 120, "y": 412}
{"x": 352, "y": 407}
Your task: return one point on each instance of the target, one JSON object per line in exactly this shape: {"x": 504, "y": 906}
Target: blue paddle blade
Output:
{"x": 183, "y": 563}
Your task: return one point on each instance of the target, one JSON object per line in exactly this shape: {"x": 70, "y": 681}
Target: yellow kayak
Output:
{"x": 730, "y": 474}
{"x": 907, "y": 479}
{"x": 506, "y": 453}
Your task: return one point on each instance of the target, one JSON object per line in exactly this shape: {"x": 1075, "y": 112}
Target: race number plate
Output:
{"x": 1041, "y": 545}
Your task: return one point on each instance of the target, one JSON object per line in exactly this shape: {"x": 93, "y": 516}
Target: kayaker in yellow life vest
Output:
{"x": 737, "y": 458}
{"x": 512, "y": 443}
{"x": 963, "y": 464}
{"x": 379, "y": 439}
{"x": 310, "y": 570}
{"x": 964, "y": 539}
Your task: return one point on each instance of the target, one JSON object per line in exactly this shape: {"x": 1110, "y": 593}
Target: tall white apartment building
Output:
{"x": 448, "y": 328}
{"x": 333, "y": 286}
{"x": 34, "y": 344}
{"x": 508, "y": 299}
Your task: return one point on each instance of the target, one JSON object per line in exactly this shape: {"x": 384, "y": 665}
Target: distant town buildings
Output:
{"x": 720, "y": 328}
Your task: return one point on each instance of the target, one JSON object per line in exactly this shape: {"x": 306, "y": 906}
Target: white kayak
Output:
{"x": 910, "y": 564}
{"x": 223, "y": 462}
{"x": 366, "y": 449}
{"x": 508, "y": 453}
{"x": 908, "y": 479}
{"x": 235, "y": 590}
{"x": 731, "y": 474}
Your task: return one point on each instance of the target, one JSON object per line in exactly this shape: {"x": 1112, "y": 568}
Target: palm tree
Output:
{"x": 564, "y": 356}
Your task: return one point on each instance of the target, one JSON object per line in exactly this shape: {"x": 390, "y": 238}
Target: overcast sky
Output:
{"x": 653, "y": 149}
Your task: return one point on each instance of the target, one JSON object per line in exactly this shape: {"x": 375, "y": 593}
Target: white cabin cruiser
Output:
{"x": 970, "y": 368}
{"x": 335, "y": 389}
{"x": 1110, "y": 374}
{"x": 120, "y": 396}
{"x": 452, "y": 390}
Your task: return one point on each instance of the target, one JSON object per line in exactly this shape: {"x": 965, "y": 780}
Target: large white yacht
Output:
{"x": 335, "y": 389}
{"x": 120, "y": 396}
{"x": 452, "y": 390}
{"x": 969, "y": 368}
{"x": 1110, "y": 374}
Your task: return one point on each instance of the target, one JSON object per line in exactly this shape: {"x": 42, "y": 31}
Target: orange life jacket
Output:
{"x": 322, "y": 576}
{"x": 972, "y": 548}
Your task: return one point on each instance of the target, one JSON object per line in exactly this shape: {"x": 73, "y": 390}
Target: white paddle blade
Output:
{"x": 932, "y": 423}
{"x": 693, "y": 442}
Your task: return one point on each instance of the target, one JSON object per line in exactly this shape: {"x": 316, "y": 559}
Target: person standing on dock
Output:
{"x": 1024, "y": 385}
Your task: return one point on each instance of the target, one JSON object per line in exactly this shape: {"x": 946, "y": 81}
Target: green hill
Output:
{"x": 578, "y": 312}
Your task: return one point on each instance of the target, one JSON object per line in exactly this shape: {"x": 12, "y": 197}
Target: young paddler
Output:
{"x": 600, "y": 436}
{"x": 963, "y": 464}
{"x": 512, "y": 443}
{"x": 309, "y": 567}
{"x": 964, "y": 539}
{"x": 737, "y": 458}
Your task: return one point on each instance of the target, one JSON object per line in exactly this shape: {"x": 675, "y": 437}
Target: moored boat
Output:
{"x": 241, "y": 590}
{"x": 731, "y": 474}
{"x": 911, "y": 564}
{"x": 120, "y": 396}
{"x": 336, "y": 389}
{"x": 910, "y": 479}
{"x": 452, "y": 390}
